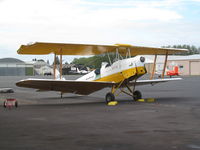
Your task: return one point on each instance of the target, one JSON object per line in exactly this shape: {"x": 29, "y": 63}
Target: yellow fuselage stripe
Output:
{"x": 125, "y": 74}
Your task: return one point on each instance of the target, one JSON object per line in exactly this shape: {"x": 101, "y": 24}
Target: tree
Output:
{"x": 94, "y": 61}
{"x": 191, "y": 49}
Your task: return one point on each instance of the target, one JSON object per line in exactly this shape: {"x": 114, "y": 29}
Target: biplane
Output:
{"x": 120, "y": 75}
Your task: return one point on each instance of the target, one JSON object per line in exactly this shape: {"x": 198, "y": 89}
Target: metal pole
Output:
{"x": 154, "y": 67}
{"x": 54, "y": 67}
{"x": 165, "y": 64}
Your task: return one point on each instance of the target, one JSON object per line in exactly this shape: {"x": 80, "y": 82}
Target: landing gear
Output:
{"x": 4, "y": 104}
{"x": 61, "y": 95}
{"x": 16, "y": 104}
{"x": 110, "y": 97}
{"x": 137, "y": 95}
{"x": 131, "y": 92}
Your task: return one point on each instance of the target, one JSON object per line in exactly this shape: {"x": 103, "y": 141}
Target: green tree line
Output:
{"x": 191, "y": 49}
{"x": 95, "y": 61}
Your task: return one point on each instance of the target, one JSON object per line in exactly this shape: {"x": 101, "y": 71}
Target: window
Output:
{"x": 181, "y": 66}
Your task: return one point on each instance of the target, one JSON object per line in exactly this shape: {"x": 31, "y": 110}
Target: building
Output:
{"x": 41, "y": 67}
{"x": 74, "y": 69}
{"x": 188, "y": 65}
{"x": 15, "y": 67}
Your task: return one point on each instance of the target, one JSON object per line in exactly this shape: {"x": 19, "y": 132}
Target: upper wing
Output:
{"x": 65, "y": 86}
{"x": 39, "y": 48}
{"x": 152, "y": 82}
{"x": 138, "y": 50}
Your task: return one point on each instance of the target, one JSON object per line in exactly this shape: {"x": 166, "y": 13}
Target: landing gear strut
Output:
{"x": 131, "y": 92}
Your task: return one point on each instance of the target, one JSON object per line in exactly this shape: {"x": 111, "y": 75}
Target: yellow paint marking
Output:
{"x": 150, "y": 100}
{"x": 113, "y": 103}
{"x": 141, "y": 100}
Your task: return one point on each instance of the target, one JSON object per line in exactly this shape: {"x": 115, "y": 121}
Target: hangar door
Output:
{"x": 195, "y": 67}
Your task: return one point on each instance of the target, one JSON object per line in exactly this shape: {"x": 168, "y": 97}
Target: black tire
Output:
{"x": 16, "y": 104}
{"x": 4, "y": 104}
{"x": 137, "y": 95}
{"x": 110, "y": 97}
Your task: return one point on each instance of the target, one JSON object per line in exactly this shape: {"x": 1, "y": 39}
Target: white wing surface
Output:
{"x": 65, "y": 86}
{"x": 153, "y": 82}
{"x": 79, "y": 87}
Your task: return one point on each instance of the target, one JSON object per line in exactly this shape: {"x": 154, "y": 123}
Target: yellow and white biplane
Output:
{"x": 120, "y": 74}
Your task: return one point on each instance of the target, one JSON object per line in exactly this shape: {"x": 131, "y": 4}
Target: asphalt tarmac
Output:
{"x": 43, "y": 121}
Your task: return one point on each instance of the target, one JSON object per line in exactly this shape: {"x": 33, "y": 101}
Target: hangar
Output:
{"x": 188, "y": 65}
{"x": 41, "y": 67}
{"x": 15, "y": 67}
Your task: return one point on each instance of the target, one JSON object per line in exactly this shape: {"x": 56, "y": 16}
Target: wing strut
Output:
{"x": 54, "y": 66}
{"x": 154, "y": 67}
{"x": 61, "y": 93}
{"x": 61, "y": 64}
{"x": 165, "y": 65}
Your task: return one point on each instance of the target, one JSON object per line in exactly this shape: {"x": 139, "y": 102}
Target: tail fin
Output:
{"x": 176, "y": 69}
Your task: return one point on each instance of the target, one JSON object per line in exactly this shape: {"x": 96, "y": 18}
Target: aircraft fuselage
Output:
{"x": 118, "y": 71}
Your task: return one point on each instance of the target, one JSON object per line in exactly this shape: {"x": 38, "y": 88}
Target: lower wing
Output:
{"x": 65, "y": 86}
{"x": 152, "y": 82}
{"x": 79, "y": 87}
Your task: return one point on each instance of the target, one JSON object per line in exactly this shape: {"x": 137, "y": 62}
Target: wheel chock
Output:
{"x": 141, "y": 100}
{"x": 112, "y": 103}
{"x": 150, "y": 100}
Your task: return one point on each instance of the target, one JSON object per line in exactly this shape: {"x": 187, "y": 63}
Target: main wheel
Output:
{"x": 110, "y": 97}
{"x": 4, "y": 104}
{"x": 16, "y": 104}
{"x": 137, "y": 95}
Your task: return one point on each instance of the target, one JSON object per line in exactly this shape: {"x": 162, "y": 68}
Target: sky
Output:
{"x": 137, "y": 22}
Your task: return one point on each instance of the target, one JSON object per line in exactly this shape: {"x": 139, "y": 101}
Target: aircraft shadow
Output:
{"x": 89, "y": 101}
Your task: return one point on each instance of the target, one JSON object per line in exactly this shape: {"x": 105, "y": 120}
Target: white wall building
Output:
{"x": 188, "y": 65}
{"x": 15, "y": 67}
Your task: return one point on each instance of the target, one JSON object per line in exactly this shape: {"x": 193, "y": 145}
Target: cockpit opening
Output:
{"x": 97, "y": 71}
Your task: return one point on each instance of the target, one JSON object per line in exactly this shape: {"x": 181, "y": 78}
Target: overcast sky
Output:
{"x": 136, "y": 22}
